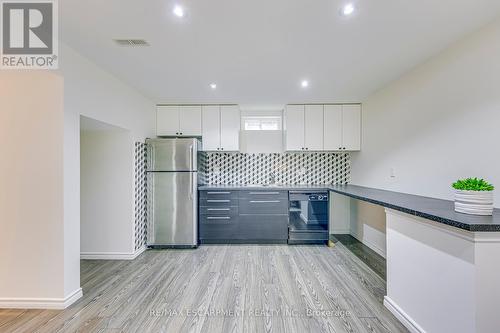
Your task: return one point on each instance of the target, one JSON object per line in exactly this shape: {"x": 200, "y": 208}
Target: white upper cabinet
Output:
{"x": 333, "y": 127}
{"x": 313, "y": 136}
{"x": 323, "y": 127}
{"x": 190, "y": 120}
{"x": 230, "y": 121}
{"x": 221, "y": 128}
{"x": 351, "y": 127}
{"x": 211, "y": 127}
{"x": 342, "y": 127}
{"x": 294, "y": 127}
{"x": 304, "y": 128}
{"x": 175, "y": 120}
{"x": 167, "y": 120}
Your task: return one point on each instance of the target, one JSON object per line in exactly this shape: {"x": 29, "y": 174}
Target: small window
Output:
{"x": 262, "y": 123}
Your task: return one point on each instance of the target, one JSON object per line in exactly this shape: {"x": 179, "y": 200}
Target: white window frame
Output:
{"x": 260, "y": 118}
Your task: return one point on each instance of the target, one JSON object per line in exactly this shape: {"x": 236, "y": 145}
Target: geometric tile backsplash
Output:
{"x": 287, "y": 168}
{"x": 140, "y": 195}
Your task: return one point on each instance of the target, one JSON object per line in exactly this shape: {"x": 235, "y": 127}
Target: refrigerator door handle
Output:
{"x": 191, "y": 167}
{"x": 191, "y": 186}
{"x": 191, "y": 158}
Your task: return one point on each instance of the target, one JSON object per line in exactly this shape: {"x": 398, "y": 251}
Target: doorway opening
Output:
{"x": 106, "y": 190}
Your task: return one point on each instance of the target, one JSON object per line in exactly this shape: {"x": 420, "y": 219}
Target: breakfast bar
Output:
{"x": 442, "y": 267}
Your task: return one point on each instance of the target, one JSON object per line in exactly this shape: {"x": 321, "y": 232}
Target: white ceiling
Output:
{"x": 257, "y": 51}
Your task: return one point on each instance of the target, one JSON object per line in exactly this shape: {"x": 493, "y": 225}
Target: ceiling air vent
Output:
{"x": 131, "y": 42}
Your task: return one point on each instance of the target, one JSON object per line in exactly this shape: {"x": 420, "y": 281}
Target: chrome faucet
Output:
{"x": 272, "y": 178}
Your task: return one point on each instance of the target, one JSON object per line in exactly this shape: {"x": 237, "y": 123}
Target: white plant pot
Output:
{"x": 474, "y": 202}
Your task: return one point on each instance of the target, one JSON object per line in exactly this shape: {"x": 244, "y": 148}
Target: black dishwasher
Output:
{"x": 308, "y": 217}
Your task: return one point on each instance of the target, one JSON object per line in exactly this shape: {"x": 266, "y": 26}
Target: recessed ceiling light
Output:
{"x": 304, "y": 84}
{"x": 348, "y": 9}
{"x": 178, "y": 11}
{"x": 213, "y": 86}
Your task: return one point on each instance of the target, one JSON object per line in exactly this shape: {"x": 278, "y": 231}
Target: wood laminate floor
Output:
{"x": 230, "y": 288}
{"x": 372, "y": 259}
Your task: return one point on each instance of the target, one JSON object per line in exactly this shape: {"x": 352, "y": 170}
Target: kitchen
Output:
{"x": 231, "y": 181}
{"x": 252, "y": 167}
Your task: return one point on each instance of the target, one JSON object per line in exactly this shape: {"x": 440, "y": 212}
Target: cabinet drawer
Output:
{"x": 219, "y": 194}
{"x": 264, "y": 195}
{"x": 218, "y": 227}
{"x": 267, "y": 227}
{"x": 263, "y": 206}
{"x": 218, "y": 202}
{"x": 231, "y": 210}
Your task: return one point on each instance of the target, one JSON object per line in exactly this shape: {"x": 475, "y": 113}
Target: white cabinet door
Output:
{"x": 313, "y": 132}
{"x": 167, "y": 120}
{"x": 333, "y": 127}
{"x": 351, "y": 127}
{"x": 190, "y": 120}
{"x": 230, "y": 121}
{"x": 210, "y": 127}
{"x": 294, "y": 127}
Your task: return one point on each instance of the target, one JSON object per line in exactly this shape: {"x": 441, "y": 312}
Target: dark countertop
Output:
{"x": 438, "y": 210}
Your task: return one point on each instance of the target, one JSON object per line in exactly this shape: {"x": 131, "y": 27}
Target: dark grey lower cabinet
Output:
{"x": 263, "y": 228}
{"x": 218, "y": 228}
{"x": 218, "y": 216}
{"x": 243, "y": 217}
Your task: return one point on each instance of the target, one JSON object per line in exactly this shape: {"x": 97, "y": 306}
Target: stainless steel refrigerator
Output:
{"x": 172, "y": 192}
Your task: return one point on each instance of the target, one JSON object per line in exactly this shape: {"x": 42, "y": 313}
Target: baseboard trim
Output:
{"x": 340, "y": 232}
{"x": 402, "y": 316}
{"x": 112, "y": 255}
{"x": 41, "y": 303}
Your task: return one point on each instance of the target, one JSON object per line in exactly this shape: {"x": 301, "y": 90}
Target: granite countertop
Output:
{"x": 438, "y": 210}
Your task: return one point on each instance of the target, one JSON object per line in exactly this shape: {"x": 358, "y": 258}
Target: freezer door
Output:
{"x": 172, "y": 154}
{"x": 172, "y": 217}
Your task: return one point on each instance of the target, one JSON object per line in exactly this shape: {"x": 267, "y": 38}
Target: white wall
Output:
{"x": 367, "y": 224}
{"x": 31, "y": 183}
{"x": 261, "y": 142}
{"x": 90, "y": 91}
{"x": 106, "y": 202}
{"x": 437, "y": 123}
{"x": 362, "y": 220}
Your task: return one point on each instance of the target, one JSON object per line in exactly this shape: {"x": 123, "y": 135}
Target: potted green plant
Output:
{"x": 473, "y": 196}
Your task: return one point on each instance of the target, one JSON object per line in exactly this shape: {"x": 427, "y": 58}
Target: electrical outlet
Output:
{"x": 392, "y": 173}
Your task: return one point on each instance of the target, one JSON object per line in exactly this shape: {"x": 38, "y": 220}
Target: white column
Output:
{"x": 441, "y": 278}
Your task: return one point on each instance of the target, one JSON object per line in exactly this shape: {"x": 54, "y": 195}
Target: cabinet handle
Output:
{"x": 218, "y": 209}
{"x": 218, "y": 192}
{"x": 218, "y": 218}
{"x": 264, "y": 201}
{"x": 264, "y": 193}
{"x": 218, "y": 200}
